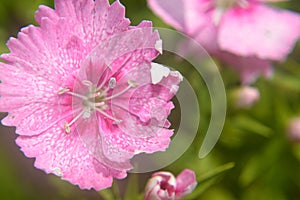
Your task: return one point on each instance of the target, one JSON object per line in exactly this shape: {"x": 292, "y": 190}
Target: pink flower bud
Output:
{"x": 293, "y": 129}
{"x": 164, "y": 186}
{"x": 185, "y": 183}
{"x": 246, "y": 96}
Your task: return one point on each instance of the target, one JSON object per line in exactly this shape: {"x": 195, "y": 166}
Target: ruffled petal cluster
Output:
{"x": 82, "y": 91}
{"x": 244, "y": 34}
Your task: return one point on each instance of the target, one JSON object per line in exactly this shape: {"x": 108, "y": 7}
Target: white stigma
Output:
{"x": 95, "y": 100}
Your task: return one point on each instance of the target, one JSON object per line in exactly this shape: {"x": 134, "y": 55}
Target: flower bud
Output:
{"x": 293, "y": 129}
{"x": 185, "y": 183}
{"x": 164, "y": 186}
{"x": 246, "y": 96}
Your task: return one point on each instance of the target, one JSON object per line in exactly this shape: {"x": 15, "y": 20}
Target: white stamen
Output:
{"x": 131, "y": 84}
{"x": 108, "y": 116}
{"x": 68, "y": 125}
{"x": 77, "y": 95}
{"x": 63, "y": 90}
{"x": 93, "y": 106}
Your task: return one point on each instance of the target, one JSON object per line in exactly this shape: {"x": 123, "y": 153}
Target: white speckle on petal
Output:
{"x": 158, "y": 72}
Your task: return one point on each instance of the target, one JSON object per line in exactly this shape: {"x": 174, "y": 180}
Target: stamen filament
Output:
{"x": 118, "y": 94}
{"x": 62, "y": 91}
{"x": 95, "y": 105}
{"x": 77, "y": 95}
{"x": 108, "y": 116}
{"x": 131, "y": 84}
{"x": 68, "y": 125}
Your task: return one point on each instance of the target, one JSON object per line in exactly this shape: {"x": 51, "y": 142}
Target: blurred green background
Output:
{"x": 267, "y": 162}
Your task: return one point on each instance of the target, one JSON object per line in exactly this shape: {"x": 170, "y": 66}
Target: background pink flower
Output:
{"x": 244, "y": 34}
{"x": 73, "y": 87}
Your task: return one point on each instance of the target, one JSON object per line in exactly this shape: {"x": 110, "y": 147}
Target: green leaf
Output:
{"x": 215, "y": 172}
{"x": 200, "y": 189}
{"x": 252, "y": 125}
{"x": 286, "y": 81}
{"x": 209, "y": 179}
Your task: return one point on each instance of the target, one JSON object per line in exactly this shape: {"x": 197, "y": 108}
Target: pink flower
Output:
{"x": 164, "y": 186}
{"x": 293, "y": 129}
{"x": 83, "y": 93}
{"x": 245, "y": 34}
{"x": 246, "y": 96}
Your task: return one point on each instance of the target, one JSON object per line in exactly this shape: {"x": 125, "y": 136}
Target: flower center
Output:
{"x": 223, "y": 5}
{"x": 95, "y": 100}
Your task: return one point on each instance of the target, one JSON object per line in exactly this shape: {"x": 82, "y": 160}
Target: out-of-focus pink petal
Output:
{"x": 258, "y": 30}
{"x": 249, "y": 68}
{"x": 185, "y": 183}
{"x": 272, "y": 0}
{"x": 194, "y": 18}
{"x": 169, "y": 11}
{"x": 246, "y": 96}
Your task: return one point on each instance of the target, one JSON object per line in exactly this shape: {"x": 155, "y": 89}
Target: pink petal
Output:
{"x": 250, "y": 68}
{"x": 124, "y": 51}
{"x": 160, "y": 186}
{"x": 259, "y": 30}
{"x": 64, "y": 155}
{"x": 272, "y": 0}
{"x": 185, "y": 183}
{"x": 136, "y": 144}
{"x": 45, "y": 12}
{"x": 26, "y": 120}
{"x": 194, "y": 18}
{"x": 168, "y": 86}
{"x": 168, "y": 10}
{"x": 31, "y": 54}
{"x": 132, "y": 107}
{"x": 104, "y": 151}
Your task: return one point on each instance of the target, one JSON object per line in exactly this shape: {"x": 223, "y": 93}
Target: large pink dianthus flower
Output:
{"x": 245, "y": 34}
{"x": 83, "y": 93}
